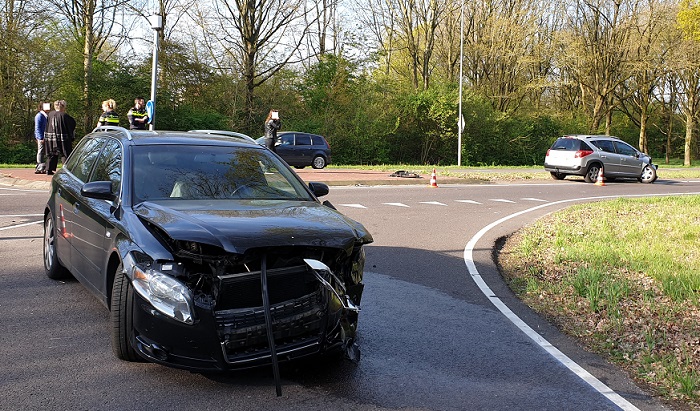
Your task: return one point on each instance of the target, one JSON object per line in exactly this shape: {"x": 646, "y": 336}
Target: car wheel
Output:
{"x": 557, "y": 176}
{"x": 122, "y": 310}
{"x": 52, "y": 266}
{"x": 592, "y": 173}
{"x": 648, "y": 174}
{"x": 319, "y": 162}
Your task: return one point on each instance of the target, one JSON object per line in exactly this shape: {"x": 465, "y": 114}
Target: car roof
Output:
{"x": 193, "y": 137}
{"x": 590, "y": 136}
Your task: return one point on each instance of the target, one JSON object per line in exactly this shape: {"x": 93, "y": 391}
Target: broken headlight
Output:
{"x": 165, "y": 293}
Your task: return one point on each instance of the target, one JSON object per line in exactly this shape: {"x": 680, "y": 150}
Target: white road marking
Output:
{"x": 20, "y": 225}
{"x": 535, "y": 199}
{"x": 353, "y": 205}
{"x": 468, "y": 201}
{"x": 397, "y": 204}
{"x": 21, "y": 215}
{"x": 606, "y": 391}
{"x": 502, "y": 200}
{"x": 433, "y": 203}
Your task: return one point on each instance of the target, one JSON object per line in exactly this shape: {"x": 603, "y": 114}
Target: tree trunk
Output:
{"x": 689, "y": 125}
{"x": 643, "y": 116}
{"x": 87, "y": 64}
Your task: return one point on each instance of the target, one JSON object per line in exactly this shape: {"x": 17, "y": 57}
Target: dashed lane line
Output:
{"x": 397, "y": 204}
{"x": 468, "y": 201}
{"x": 502, "y": 200}
{"x": 433, "y": 203}
{"x": 21, "y": 225}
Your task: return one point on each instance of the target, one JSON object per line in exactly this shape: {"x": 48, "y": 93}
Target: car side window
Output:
{"x": 303, "y": 140}
{"x": 109, "y": 165}
{"x": 625, "y": 149}
{"x": 81, "y": 162}
{"x": 605, "y": 145}
{"x": 287, "y": 139}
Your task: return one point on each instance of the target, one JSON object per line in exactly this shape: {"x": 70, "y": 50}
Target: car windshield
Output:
{"x": 171, "y": 172}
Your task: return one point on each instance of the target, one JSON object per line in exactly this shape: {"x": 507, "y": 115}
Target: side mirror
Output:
{"x": 319, "y": 189}
{"x": 100, "y": 190}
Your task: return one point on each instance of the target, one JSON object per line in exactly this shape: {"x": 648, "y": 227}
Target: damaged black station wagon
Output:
{"x": 209, "y": 251}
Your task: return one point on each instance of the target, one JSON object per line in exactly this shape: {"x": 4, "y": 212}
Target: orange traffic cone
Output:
{"x": 433, "y": 179}
{"x": 600, "y": 181}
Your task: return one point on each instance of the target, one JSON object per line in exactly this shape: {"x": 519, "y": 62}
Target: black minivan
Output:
{"x": 302, "y": 149}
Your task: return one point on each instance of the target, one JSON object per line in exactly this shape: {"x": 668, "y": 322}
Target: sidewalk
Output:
{"x": 25, "y": 178}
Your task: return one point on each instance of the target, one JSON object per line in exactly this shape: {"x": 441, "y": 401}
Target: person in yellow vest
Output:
{"x": 138, "y": 117}
{"x": 109, "y": 116}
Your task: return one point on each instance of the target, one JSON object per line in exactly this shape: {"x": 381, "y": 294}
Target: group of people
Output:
{"x": 54, "y": 130}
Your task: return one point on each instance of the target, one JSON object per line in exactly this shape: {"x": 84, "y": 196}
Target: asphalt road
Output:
{"x": 431, "y": 338}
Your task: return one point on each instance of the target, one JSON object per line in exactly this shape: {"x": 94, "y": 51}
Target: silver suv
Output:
{"x": 586, "y": 155}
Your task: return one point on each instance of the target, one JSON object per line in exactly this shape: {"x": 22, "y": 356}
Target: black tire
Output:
{"x": 319, "y": 162}
{"x": 557, "y": 176}
{"x": 52, "y": 267}
{"x": 122, "y": 310}
{"x": 592, "y": 173}
{"x": 648, "y": 175}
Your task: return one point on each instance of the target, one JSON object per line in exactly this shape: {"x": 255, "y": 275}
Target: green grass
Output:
{"x": 624, "y": 277}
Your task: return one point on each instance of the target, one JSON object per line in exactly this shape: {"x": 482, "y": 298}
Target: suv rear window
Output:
{"x": 570, "y": 144}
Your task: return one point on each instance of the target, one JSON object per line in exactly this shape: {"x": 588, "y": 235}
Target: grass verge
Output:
{"x": 622, "y": 276}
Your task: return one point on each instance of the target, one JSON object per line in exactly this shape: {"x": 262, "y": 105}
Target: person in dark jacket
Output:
{"x": 59, "y": 135}
{"x": 137, "y": 115}
{"x": 272, "y": 124}
{"x": 109, "y": 116}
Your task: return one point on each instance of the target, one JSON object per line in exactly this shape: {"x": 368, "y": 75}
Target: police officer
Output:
{"x": 109, "y": 117}
{"x": 138, "y": 117}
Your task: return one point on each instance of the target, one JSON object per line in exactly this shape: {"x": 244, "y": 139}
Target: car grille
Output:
{"x": 297, "y": 309}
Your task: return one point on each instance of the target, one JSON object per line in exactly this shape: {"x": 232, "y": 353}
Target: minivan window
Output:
{"x": 303, "y": 140}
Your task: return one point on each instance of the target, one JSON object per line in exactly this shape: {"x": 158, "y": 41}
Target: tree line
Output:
{"x": 379, "y": 78}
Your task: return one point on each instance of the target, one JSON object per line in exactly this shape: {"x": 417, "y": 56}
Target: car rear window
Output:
{"x": 569, "y": 144}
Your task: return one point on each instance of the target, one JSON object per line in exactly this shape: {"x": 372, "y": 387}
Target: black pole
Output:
{"x": 268, "y": 323}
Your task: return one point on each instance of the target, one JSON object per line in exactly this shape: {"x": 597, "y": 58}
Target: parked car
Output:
{"x": 587, "y": 155}
{"x": 209, "y": 251}
{"x": 302, "y": 149}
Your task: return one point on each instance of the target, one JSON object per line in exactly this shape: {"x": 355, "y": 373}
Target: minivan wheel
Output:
{"x": 122, "y": 312}
{"x": 648, "y": 175}
{"x": 557, "y": 176}
{"x": 592, "y": 173}
{"x": 52, "y": 267}
{"x": 319, "y": 162}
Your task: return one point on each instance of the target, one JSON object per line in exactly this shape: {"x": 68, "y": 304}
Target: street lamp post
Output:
{"x": 156, "y": 21}
{"x": 460, "y": 120}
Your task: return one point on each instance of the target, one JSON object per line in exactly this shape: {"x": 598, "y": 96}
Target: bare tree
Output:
{"x": 257, "y": 38}
{"x": 91, "y": 24}
{"x": 595, "y": 51}
{"x": 650, "y": 44}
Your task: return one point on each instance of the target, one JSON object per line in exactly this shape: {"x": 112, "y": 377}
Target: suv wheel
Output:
{"x": 319, "y": 162}
{"x": 557, "y": 176}
{"x": 592, "y": 173}
{"x": 648, "y": 174}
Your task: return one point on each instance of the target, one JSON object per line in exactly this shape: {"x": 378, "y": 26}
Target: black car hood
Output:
{"x": 236, "y": 226}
